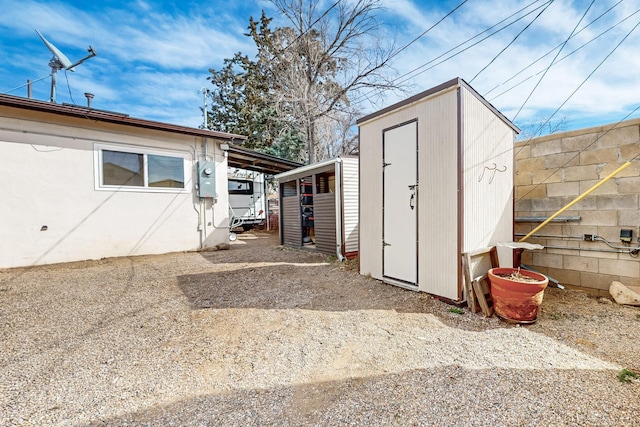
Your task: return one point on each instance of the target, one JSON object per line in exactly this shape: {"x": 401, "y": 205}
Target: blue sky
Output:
{"x": 153, "y": 56}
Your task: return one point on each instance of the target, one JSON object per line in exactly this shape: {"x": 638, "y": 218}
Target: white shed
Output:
{"x": 436, "y": 180}
{"x": 319, "y": 207}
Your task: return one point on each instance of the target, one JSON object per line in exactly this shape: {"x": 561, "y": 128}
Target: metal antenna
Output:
{"x": 60, "y": 62}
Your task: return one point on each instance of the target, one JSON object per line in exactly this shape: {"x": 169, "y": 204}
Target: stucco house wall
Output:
{"x": 55, "y": 209}
{"x": 552, "y": 171}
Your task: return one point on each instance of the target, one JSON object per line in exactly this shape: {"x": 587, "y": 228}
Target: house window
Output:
{"x": 139, "y": 169}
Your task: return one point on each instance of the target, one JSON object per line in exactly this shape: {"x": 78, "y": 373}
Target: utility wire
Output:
{"x": 514, "y": 40}
{"x": 407, "y": 76}
{"x": 66, "y": 75}
{"x": 426, "y": 31}
{"x": 548, "y": 53}
{"x": 580, "y": 85}
{"x": 553, "y": 61}
{"x": 27, "y": 84}
{"x": 563, "y": 58}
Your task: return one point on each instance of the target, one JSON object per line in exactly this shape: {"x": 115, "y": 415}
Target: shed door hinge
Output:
{"x": 385, "y": 243}
{"x": 384, "y": 165}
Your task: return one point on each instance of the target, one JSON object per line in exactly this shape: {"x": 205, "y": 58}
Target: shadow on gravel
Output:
{"x": 313, "y": 287}
{"x": 258, "y": 273}
{"x": 443, "y": 396}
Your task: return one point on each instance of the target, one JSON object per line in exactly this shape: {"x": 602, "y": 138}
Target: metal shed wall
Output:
{"x": 335, "y": 214}
{"x": 324, "y": 214}
{"x": 350, "y": 205}
{"x": 487, "y": 178}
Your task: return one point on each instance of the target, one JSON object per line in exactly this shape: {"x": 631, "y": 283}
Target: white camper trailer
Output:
{"x": 247, "y": 198}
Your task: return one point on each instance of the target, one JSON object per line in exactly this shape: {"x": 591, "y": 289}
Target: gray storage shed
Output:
{"x": 319, "y": 207}
{"x": 436, "y": 180}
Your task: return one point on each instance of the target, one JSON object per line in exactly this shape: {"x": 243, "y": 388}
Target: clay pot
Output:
{"x": 517, "y": 301}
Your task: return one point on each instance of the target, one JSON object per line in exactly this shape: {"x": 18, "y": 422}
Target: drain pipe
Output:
{"x": 339, "y": 215}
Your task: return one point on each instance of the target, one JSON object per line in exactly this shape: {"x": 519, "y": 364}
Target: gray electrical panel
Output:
{"x": 206, "y": 179}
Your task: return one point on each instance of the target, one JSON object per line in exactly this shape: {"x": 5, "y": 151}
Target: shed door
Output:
{"x": 400, "y": 203}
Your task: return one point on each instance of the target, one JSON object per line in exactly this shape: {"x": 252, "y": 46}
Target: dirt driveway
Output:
{"x": 261, "y": 335}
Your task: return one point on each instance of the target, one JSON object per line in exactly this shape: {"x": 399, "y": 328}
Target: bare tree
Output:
{"x": 325, "y": 56}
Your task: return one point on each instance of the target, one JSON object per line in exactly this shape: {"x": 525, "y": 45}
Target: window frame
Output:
{"x": 145, "y": 152}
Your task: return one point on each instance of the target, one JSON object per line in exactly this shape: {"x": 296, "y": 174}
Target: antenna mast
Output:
{"x": 60, "y": 62}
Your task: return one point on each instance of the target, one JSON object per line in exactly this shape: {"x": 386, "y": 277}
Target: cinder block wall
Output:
{"x": 552, "y": 171}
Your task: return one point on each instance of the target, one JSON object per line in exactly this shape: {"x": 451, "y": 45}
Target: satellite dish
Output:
{"x": 59, "y": 61}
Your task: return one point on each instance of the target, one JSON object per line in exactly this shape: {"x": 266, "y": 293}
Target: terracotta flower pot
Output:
{"x": 517, "y": 301}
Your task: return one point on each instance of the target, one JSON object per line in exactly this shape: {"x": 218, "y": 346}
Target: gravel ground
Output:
{"x": 261, "y": 335}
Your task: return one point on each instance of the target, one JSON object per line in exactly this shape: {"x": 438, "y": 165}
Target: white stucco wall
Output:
{"x": 53, "y": 210}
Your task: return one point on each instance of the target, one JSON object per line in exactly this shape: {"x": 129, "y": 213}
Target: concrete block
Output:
{"x": 574, "y": 262}
{"x": 523, "y": 178}
{"x": 546, "y": 176}
{"x": 547, "y": 260}
{"x": 527, "y": 257}
{"x": 630, "y": 281}
{"x": 522, "y": 151}
{"x": 612, "y": 234}
{"x": 577, "y": 230}
{"x": 595, "y": 157}
{"x": 617, "y": 201}
{"x": 581, "y": 173}
{"x": 626, "y": 185}
{"x": 563, "y": 189}
{"x": 599, "y": 218}
{"x": 531, "y": 191}
{"x": 599, "y": 254}
{"x": 596, "y": 281}
{"x": 546, "y": 204}
{"x": 632, "y": 170}
{"x": 562, "y": 160}
{"x": 530, "y": 165}
{"x": 578, "y": 142}
{"x": 619, "y": 267}
{"x": 565, "y": 277}
{"x": 629, "y": 151}
{"x": 628, "y": 218}
{"x": 609, "y": 187}
{"x": 545, "y": 148}
{"x": 619, "y": 136}
{"x": 586, "y": 204}
{"x": 522, "y": 205}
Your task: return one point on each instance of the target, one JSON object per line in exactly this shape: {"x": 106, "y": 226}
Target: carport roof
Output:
{"x": 244, "y": 158}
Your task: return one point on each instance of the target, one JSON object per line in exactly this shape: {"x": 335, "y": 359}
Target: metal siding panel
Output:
{"x": 488, "y": 193}
{"x": 437, "y": 201}
{"x": 370, "y": 214}
{"x": 291, "y": 222}
{"x": 324, "y": 214}
{"x": 350, "y": 193}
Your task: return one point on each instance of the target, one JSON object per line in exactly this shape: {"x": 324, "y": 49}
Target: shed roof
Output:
{"x": 304, "y": 171}
{"x": 238, "y": 156}
{"x": 444, "y": 86}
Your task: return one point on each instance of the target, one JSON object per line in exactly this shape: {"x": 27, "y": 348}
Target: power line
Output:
{"x": 408, "y": 75}
{"x": 560, "y": 60}
{"x": 427, "y": 30}
{"x": 548, "y": 53}
{"x": 553, "y": 61}
{"x": 578, "y": 88}
{"x": 514, "y": 40}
